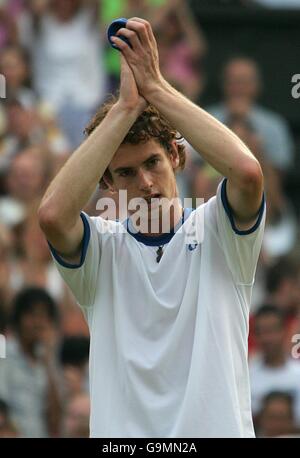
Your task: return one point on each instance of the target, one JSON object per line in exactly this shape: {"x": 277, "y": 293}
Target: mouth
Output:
{"x": 149, "y": 199}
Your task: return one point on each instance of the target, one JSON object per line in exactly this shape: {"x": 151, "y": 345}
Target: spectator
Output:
{"x": 23, "y": 130}
{"x": 181, "y": 43}
{"x": 281, "y": 230}
{"x": 276, "y": 417}
{"x": 109, "y": 10}
{"x": 8, "y": 28}
{"x": 14, "y": 66}
{"x": 74, "y": 356}
{"x": 283, "y": 285}
{"x": 27, "y": 177}
{"x": 242, "y": 84}
{"x": 6, "y": 243}
{"x": 27, "y": 127}
{"x": 67, "y": 61}
{"x": 182, "y": 49}
{"x": 281, "y": 224}
{"x": 282, "y": 289}
{"x": 27, "y": 381}
{"x": 76, "y": 418}
{"x": 273, "y": 368}
{"x": 34, "y": 266}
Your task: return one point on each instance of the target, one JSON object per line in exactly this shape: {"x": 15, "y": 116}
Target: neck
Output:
{"x": 167, "y": 222}
{"x": 275, "y": 360}
{"x": 163, "y": 220}
{"x": 28, "y": 349}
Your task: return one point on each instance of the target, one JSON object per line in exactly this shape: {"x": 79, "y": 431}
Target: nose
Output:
{"x": 145, "y": 181}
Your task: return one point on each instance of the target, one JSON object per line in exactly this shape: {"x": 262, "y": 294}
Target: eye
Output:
{"x": 153, "y": 162}
{"x": 125, "y": 173}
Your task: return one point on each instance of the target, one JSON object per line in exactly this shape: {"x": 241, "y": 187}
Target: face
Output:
{"x": 34, "y": 324}
{"x": 25, "y": 180}
{"x": 276, "y": 419}
{"x": 269, "y": 334}
{"x": 241, "y": 80}
{"x": 65, "y": 9}
{"x": 13, "y": 68}
{"x": 145, "y": 171}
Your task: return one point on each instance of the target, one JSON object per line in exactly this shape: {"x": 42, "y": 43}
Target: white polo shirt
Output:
{"x": 168, "y": 355}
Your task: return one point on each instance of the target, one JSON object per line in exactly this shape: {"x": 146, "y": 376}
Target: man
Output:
{"x": 27, "y": 381}
{"x": 277, "y": 418}
{"x": 273, "y": 368}
{"x": 242, "y": 84}
{"x": 168, "y": 320}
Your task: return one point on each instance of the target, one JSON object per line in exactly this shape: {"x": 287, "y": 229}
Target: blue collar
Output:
{"x": 160, "y": 239}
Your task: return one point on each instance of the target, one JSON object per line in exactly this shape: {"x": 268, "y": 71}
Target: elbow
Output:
{"x": 48, "y": 219}
{"x": 252, "y": 179}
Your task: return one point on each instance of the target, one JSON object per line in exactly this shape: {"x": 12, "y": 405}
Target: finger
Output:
{"x": 140, "y": 29}
{"x": 132, "y": 37}
{"x": 123, "y": 47}
{"x": 147, "y": 26}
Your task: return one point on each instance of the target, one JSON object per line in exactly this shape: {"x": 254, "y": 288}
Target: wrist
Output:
{"x": 129, "y": 109}
{"x": 155, "y": 91}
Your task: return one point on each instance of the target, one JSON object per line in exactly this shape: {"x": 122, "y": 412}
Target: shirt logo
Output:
{"x": 192, "y": 246}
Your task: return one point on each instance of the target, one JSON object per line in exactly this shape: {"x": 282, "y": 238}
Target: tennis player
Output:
{"x": 168, "y": 319}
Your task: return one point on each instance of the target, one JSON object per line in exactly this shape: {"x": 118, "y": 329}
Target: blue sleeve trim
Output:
{"x": 85, "y": 244}
{"x": 162, "y": 239}
{"x": 229, "y": 212}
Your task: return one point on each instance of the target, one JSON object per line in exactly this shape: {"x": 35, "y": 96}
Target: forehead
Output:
{"x": 241, "y": 67}
{"x": 268, "y": 320}
{"x": 129, "y": 155}
{"x": 38, "y": 309}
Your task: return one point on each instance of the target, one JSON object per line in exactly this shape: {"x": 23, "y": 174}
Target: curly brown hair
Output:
{"x": 149, "y": 125}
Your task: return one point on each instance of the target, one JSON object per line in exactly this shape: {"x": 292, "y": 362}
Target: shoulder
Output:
{"x": 294, "y": 368}
{"x": 104, "y": 226}
{"x": 268, "y": 117}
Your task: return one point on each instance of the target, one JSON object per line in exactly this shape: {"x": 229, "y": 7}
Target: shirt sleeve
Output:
{"x": 82, "y": 278}
{"x": 241, "y": 247}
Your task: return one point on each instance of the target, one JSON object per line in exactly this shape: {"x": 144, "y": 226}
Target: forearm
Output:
{"x": 193, "y": 33}
{"x": 73, "y": 186}
{"x": 218, "y": 145}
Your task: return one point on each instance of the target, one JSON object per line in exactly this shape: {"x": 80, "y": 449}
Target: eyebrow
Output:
{"x": 126, "y": 169}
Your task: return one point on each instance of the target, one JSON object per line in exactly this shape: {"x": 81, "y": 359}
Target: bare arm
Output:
{"x": 218, "y": 145}
{"x": 59, "y": 212}
{"x": 192, "y": 31}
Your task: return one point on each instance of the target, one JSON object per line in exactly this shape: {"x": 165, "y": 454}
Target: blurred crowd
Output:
{"x": 58, "y": 69}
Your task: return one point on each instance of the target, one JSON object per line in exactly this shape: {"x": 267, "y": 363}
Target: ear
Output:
{"x": 174, "y": 155}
